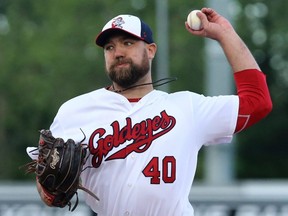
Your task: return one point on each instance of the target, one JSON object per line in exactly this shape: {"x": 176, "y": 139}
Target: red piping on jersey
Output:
{"x": 254, "y": 98}
{"x": 133, "y": 100}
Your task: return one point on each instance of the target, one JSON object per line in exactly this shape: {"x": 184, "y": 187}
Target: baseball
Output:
{"x": 193, "y": 20}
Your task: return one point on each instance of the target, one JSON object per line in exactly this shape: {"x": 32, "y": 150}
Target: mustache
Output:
{"x": 121, "y": 61}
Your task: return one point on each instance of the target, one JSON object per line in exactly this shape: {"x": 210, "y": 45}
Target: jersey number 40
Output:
{"x": 153, "y": 171}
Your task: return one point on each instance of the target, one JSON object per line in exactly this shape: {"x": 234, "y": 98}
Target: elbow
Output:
{"x": 265, "y": 107}
{"x": 251, "y": 111}
{"x": 268, "y": 108}
{"x": 262, "y": 110}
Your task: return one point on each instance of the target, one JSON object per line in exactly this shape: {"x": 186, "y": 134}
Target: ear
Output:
{"x": 151, "y": 49}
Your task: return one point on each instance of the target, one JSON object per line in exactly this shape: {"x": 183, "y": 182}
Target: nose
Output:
{"x": 119, "y": 51}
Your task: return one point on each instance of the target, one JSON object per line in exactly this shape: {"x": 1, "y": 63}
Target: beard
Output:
{"x": 126, "y": 77}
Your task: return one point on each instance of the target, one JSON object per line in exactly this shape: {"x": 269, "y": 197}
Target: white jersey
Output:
{"x": 143, "y": 156}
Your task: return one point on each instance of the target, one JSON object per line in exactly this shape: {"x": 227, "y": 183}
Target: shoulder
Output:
{"x": 84, "y": 100}
{"x": 173, "y": 94}
{"x": 200, "y": 102}
{"x": 186, "y": 96}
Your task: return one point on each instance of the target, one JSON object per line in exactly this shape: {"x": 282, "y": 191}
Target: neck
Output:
{"x": 135, "y": 91}
{"x": 141, "y": 89}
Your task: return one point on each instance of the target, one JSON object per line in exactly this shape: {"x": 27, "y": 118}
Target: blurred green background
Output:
{"x": 48, "y": 55}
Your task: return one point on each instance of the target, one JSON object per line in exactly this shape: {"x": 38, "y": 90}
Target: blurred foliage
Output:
{"x": 262, "y": 150}
{"x": 48, "y": 55}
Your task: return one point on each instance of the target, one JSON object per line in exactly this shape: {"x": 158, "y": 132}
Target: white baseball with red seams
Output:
{"x": 193, "y": 20}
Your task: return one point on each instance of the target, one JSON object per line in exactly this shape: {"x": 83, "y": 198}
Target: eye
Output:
{"x": 128, "y": 43}
{"x": 108, "y": 47}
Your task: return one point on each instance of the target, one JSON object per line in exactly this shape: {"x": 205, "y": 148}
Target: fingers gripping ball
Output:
{"x": 193, "y": 20}
{"x": 58, "y": 169}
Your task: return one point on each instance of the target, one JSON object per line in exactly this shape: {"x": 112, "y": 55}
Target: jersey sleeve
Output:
{"x": 255, "y": 101}
{"x": 62, "y": 125}
{"x": 215, "y": 118}
{"x": 56, "y": 128}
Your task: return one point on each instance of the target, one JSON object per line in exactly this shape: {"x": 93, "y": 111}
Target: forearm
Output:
{"x": 237, "y": 53}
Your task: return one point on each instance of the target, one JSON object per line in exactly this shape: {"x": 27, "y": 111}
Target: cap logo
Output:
{"x": 118, "y": 22}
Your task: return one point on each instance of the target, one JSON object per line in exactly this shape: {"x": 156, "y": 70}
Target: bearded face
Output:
{"x": 129, "y": 74}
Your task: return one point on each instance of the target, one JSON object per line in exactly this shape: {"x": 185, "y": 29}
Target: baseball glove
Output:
{"x": 58, "y": 169}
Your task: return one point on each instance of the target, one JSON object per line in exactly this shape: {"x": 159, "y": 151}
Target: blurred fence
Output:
{"x": 257, "y": 198}
{"x": 22, "y": 199}
{"x": 240, "y": 199}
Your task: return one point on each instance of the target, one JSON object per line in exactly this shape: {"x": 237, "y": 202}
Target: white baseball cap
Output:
{"x": 126, "y": 23}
